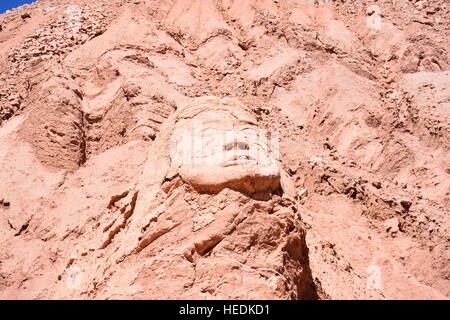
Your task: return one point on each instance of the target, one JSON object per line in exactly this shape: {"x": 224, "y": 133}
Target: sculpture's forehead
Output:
{"x": 220, "y": 115}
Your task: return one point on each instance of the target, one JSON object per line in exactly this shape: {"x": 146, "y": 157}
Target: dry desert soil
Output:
{"x": 95, "y": 205}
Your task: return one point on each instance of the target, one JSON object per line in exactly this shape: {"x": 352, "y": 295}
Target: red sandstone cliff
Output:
{"x": 360, "y": 95}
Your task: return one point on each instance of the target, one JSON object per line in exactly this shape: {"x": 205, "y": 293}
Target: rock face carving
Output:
{"x": 216, "y": 144}
{"x": 193, "y": 227}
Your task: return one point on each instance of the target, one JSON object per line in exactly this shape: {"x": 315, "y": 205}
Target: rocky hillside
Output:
{"x": 358, "y": 92}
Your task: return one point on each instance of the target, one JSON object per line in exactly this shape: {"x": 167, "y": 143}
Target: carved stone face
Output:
{"x": 216, "y": 144}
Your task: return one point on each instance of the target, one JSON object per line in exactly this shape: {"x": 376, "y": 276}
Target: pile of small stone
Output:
{"x": 4, "y": 203}
{"x": 10, "y": 101}
{"x": 52, "y": 41}
{"x": 60, "y": 36}
{"x": 11, "y": 106}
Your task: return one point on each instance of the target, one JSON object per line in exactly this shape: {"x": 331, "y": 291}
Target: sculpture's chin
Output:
{"x": 248, "y": 178}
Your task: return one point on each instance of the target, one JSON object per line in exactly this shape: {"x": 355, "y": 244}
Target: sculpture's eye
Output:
{"x": 243, "y": 146}
{"x": 228, "y": 147}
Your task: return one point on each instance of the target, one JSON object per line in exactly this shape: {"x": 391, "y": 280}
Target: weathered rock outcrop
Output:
{"x": 225, "y": 149}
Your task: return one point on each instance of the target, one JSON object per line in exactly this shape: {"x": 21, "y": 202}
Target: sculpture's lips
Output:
{"x": 239, "y": 160}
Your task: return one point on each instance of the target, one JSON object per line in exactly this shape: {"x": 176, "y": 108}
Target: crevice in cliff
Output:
{"x": 152, "y": 236}
{"x": 23, "y": 228}
{"x": 297, "y": 250}
{"x": 126, "y": 215}
{"x": 83, "y": 128}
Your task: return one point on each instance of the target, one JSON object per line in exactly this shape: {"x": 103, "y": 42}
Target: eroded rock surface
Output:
{"x": 225, "y": 149}
{"x": 216, "y": 144}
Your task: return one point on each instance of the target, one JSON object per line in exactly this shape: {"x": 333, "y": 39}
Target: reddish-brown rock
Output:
{"x": 346, "y": 197}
